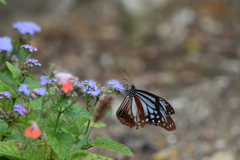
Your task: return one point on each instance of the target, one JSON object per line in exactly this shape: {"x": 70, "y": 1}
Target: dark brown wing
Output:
{"x": 131, "y": 112}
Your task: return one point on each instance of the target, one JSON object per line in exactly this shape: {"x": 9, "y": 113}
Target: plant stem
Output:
{"x": 25, "y": 76}
{"x": 71, "y": 104}
{"x": 50, "y": 94}
{"x": 90, "y": 122}
{"x": 55, "y": 128}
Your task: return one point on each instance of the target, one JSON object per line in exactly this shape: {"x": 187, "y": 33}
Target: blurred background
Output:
{"x": 184, "y": 51}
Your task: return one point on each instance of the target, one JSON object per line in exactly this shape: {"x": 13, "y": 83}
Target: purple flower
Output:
{"x": 90, "y": 87}
{"x": 32, "y": 63}
{"x": 26, "y": 27}
{"x": 18, "y": 108}
{"x": 45, "y": 80}
{"x": 94, "y": 93}
{"x": 40, "y": 91}
{"x": 5, "y": 94}
{"x": 29, "y": 48}
{"x": 116, "y": 85}
{"x": 24, "y": 88}
{"x": 5, "y": 44}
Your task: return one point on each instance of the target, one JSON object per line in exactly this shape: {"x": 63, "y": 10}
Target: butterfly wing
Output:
{"x": 157, "y": 110}
{"x": 131, "y": 112}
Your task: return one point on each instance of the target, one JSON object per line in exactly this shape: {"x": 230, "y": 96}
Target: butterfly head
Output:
{"x": 132, "y": 91}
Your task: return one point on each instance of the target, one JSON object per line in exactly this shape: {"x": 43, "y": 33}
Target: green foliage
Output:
{"x": 5, "y": 87}
{"x": 3, "y": 126}
{"x": 15, "y": 71}
{"x": 78, "y": 112}
{"x": 106, "y": 143}
{"x": 10, "y": 149}
{"x": 45, "y": 109}
{"x": 60, "y": 142}
{"x": 82, "y": 142}
{"x": 96, "y": 125}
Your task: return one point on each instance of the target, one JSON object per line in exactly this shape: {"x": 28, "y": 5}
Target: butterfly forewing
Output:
{"x": 131, "y": 112}
{"x": 159, "y": 101}
{"x": 155, "y": 112}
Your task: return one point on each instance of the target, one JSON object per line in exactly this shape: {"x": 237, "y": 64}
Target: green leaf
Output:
{"x": 82, "y": 142}
{"x": 90, "y": 106}
{"x": 77, "y": 112}
{"x": 106, "y": 143}
{"x": 3, "y": 126}
{"x": 62, "y": 102}
{"x": 82, "y": 154}
{"x": 8, "y": 79}
{"x": 96, "y": 125}
{"x": 5, "y": 87}
{"x": 33, "y": 84}
{"x": 60, "y": 142}
{"x": 75, "y": 127}
{"x": 105, "y": 157}
{"x": 3, "y": 2}
{"x": 35, "y": 104}
{"x": 15, "y": 71}
{"x": 10, "y": 149}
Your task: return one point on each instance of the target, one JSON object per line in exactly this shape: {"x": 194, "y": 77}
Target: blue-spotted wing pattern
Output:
{"x": 141, "y": 107}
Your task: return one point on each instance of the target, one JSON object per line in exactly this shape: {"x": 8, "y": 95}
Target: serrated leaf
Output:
{"x": 75, "y": 127}
{"x": 106, "y": 143}
{"x": 60, "y": 142}
{"x": 77, "y": 112}
{"x": 10, "y": 148}
{"x": 82, "y": 142}
{"x": 15, "y": 71}
{"x": 96, "y": 125}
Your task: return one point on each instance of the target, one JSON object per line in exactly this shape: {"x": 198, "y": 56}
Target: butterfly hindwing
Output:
{"x": 131, "y": 112}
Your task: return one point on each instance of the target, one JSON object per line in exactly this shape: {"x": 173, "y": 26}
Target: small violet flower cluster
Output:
{"x": 90, "y": 88}
{"x": 24, "y": 88}
{"x": 5, "y": 94}
{"x": 116, "y": 85}
{"x": 29, "y": 48}
{"x": 25, "y": 27}
{"x": 32, "y": 63}
{"x": 45, "y": 80}
{"x": 20, "y": 109}
{"x": 5, "y": 44}
{"x": 36, "y": 93}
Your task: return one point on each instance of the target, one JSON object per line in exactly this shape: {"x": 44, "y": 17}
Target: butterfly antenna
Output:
{"x": 128, "y": 77}
{"x": 127, "y": 80}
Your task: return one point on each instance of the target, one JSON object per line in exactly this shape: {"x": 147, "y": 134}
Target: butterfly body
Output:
{"x": 141, "y": 107}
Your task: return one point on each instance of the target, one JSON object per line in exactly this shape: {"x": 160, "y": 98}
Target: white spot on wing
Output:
{"x": 152, "y": 116}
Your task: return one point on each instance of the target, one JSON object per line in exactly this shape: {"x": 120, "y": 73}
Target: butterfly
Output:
{"x": 140, "y": 107}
